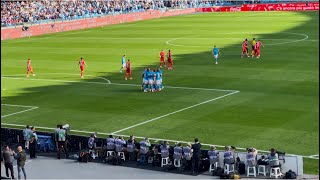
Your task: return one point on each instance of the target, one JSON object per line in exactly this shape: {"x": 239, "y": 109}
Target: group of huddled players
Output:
{"x": 152, "y": 80}
{"x": 255, "y": 45}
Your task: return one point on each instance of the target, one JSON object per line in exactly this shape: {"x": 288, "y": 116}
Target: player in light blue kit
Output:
{"x": 160, "y": 71}
{"x": 151, "y": 78}
{"x": 123, "y": 61}
{"x": 158, "y": 80}
{"x": 215, "y": 53}
{"x": 145, "y": 79}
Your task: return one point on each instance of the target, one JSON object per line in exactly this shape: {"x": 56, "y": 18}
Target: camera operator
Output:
{"x": 273, "y": 158}
{"x": 164, "y": 149}
{"x": 187, "y": 155}
{"x": 213, "y": 155}
{"x": 228, "y": 155}
{"x": 108, "y": 146}
{"x": 91, "y": 141}
{"x": 62, "y": 141}
{"x": 131, "y": 148}
{"x": 8, "y": 156}
{"x": 144, "y": 147}
{"x": 119, "y": 144}
{"x": 251, "y": 157}
{"x": 177, "y": 152}
{"x": 196, "y": 156}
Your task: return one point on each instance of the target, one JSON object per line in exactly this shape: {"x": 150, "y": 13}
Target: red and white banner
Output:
{"x": 12, "y": 33}
{"x": 264, "y": 7}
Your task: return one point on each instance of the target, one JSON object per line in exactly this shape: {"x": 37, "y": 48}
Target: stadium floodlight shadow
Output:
{"x": 59, "y": 104}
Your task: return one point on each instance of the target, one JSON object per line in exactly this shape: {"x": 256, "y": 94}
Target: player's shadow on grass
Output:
{"x": 190, "y": 70}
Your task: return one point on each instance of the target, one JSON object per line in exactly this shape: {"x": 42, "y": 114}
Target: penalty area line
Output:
{"x": 19, "y": 112}
{"x": 180, "y": 110}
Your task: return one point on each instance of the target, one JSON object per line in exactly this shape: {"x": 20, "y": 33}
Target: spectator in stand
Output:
{"x": 8, "y": 156}
{"x": 21, "y": 160}
{"x": 196, "y": 156}
{"x": 273, "y": 158}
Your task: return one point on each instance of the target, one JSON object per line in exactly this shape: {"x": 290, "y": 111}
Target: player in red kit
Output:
{"x": 82, "y": 63}
{"x": 244, "y": 49}
{"x": 258, "y": 47}
{"x": 128, "y": 70}
{"x": 162, "y": 54}
{"x": 29, "y": 68}
{"x": 170, "y": 62}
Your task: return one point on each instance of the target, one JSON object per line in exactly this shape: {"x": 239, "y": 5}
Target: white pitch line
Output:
{"x": 120, "y": 84}
{"x": 16, "y": 105}
{"x": 183, "y": 109}
{"x": 19, "y": 112}
{"x": 154, "y": 139}
{"x": 270, "y": 44}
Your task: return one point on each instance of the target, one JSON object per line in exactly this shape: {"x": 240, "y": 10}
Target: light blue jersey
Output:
{"x": 158, "y": 75}
{"x": 145, "y": 74}
{"x": 123, "y": 60}
{"x": 215, "y": 51}
{"x": 151, "y": 75}
{"x": 160, "y": 72}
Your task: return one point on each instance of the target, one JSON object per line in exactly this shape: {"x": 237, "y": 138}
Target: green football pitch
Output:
{"x": 246, "y": 102}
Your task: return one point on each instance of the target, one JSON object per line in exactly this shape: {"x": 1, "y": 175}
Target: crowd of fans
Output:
{"x": 18, "y": 12}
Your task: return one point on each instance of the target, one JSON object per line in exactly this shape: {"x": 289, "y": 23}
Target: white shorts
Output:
{"x": 150, "y": 82}
{"x": 145, "y": 81}
{"x": 123, "y": 65}
{"x": 215, "y": 56}
{"x": 158, "y": 82}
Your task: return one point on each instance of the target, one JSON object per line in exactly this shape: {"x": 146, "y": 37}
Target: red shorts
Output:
{"x": 128, "y": 71}
{"x": 245, "y": 50}
{"x": 82, "y": 68}
{"x": 257, "y": 51}
{"x": 161, "y": 59}
{"x": 29, "y": 68}
{"x": 169, "y": 60}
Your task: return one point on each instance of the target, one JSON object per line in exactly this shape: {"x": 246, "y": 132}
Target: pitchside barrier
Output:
{"x": 78, "y": 143}
{"x": 35, "y": 30}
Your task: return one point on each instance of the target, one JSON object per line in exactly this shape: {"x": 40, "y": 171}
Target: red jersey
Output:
{"x": 258, "y": 44}
{"x": 244, "y": 45}
{"x": 169, "y": 55}
{"x": 162, "y": 54}
{"x": 82, "y": 63}
{"x": 28, "y": 63}
{"x": 128, "y": 65}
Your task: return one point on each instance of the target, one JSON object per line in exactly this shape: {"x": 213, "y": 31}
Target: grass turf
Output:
{"x": 277, "y": 105}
